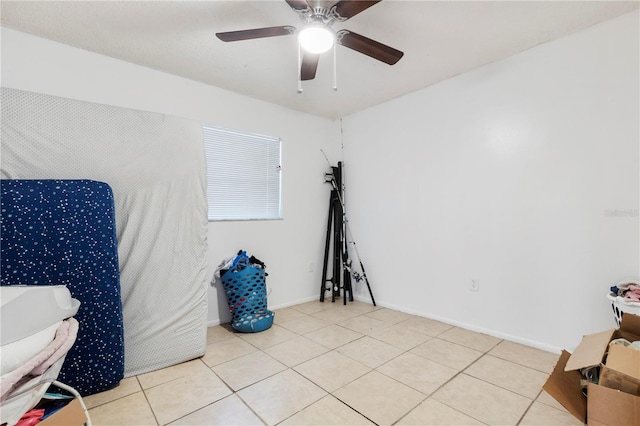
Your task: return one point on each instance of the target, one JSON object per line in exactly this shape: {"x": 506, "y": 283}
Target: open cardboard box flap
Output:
{"x": 630, "y": 323}
{"x": 630, "y": 326}
{"x": 614, "y": 379}
{"x": 592, "y": 348}
{"x": 624, "y": 360}
{"x": 590, "y": 351}
{"x": 565, "y": 387}
{"x": 622, "y": 370}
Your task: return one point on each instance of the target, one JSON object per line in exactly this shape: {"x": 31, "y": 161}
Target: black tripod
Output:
{"x": 337, "y": 234}
{"x": 341, "y": 278}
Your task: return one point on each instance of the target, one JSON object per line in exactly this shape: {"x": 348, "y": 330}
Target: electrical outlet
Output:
{"x": 474, "y": 284}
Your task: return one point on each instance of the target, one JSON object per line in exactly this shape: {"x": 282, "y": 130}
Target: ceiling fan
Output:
{"x": 316, "y": 36}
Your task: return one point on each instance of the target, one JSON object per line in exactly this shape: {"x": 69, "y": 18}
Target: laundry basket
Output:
{"x": 246, "y": 293}
{"x": 620, "y": 307}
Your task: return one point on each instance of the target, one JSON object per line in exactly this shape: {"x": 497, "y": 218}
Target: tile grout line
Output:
{"x": 144, "y": 393}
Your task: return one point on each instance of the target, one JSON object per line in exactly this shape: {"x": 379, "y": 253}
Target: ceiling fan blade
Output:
{"x": 369, "y": 47}
{"x": 350, "y": 8}
{"x": 298, "y": 5}
{"x": 309, "y": 66}
{"x": 256, "y": 33}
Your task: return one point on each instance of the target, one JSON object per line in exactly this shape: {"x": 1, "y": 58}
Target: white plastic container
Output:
{"x": 28, "y": 309}
{"x": 620, "y": 307}
{"x": 29, "y": 318}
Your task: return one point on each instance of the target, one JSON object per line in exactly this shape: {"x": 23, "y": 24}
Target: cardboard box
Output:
{"x": 624, "y": 360}
{"x": 615, "y": 400}
{"x": 612, "y": 407}
{"x": 70, "y": 415}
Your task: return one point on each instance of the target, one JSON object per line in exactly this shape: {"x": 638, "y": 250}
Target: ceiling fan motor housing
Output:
{"x": 319, "y": 14}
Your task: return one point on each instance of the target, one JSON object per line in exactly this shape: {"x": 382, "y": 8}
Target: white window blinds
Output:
{"x": 243, "y": 175}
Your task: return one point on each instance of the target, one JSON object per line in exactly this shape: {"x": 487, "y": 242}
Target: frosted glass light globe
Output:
{"x": 316, "y": 38}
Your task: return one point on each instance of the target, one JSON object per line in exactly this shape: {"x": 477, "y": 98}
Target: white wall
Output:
{"x": 507, "y": 173}
{"x": 287, "y": 246}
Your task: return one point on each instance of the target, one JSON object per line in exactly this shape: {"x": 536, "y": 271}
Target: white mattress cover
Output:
{"x": 155, "y": 164}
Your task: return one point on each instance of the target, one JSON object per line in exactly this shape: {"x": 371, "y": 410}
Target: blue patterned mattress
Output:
{"x": 55, "y": 232}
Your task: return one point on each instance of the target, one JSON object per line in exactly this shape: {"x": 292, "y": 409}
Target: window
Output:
{"x": 243, "y": 175}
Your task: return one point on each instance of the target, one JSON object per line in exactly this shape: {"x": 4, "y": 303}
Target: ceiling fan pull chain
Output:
{"x": 299, "y": 68}
{"x": 335, "y": 72}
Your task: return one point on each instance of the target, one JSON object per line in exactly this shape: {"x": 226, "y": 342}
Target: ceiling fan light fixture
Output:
{"x": 316, "y": 38}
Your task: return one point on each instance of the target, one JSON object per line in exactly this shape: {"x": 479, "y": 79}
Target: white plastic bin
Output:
{"x": 620, "y": 306}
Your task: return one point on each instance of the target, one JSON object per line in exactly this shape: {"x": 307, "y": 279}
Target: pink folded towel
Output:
{"x": 65, "y": 338}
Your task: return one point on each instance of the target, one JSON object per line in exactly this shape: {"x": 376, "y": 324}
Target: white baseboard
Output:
{"x": 473, "y": 327}
{"x": 467, "y": 326}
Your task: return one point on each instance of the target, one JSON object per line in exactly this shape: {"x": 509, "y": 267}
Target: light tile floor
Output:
{"x": 330, "y": 364}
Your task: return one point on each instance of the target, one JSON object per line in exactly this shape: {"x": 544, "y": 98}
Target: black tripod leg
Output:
{"x": 337, "y": 249}
{"x": 326, "y": 250}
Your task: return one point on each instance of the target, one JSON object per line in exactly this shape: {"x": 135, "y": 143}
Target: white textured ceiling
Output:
{"x": 440, "y": 39}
